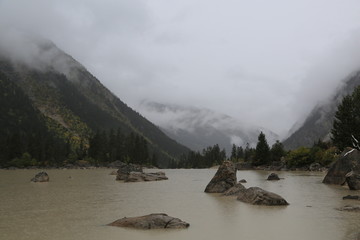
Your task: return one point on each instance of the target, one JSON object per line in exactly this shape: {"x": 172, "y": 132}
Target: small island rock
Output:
{"x": 242, "y": 181}
{"x": 145, "y": 177}
{"x": 41, "y": 177}
{"x": 273, "y": 176}
{"x": 224, "y": 178}
{"x": 352, "y": 197}
{"x": 125, "y": 169}
{"x": 151, "y": 221}
{"x": 258, "y": 196}
{"x": 350, "y": 208}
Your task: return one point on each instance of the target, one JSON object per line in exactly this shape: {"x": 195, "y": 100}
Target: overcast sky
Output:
{"x": 266, "y": 62}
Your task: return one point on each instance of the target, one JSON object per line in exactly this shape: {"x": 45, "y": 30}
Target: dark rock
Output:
{"x": 145, "y": 177}
{"x": 41, "y": 177}
{"x": 242, "y": 181}
{"x": 351, "y": 197}
{"x": 315, "y": 167}
{"x": 273, "y": 176}
{"x": 224, "y": 178}
{"x": 353, "y": 180}
{"x": 116, "y": 164}
{"x": 258, "y": 196}
{"x": 348, "y": 161}
{"x": 350, "y": 208}
{"x": 113, "y": 172}
{"x": 151, "y": 221}
{"x": 125, "y": 169}
{"x": 234, "y": 190}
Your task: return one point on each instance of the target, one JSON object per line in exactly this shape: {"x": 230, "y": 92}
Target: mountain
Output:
{"x": 319, "y": 123}
{"x": 199, "y": 128}
{"x": 72, "y": 102}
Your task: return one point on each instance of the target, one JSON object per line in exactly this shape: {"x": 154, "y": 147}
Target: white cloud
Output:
{"x": 260, "y": 61}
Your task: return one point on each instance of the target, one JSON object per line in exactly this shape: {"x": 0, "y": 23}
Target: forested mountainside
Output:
{"x": 320, "y": 121}
{"x": 70, "y": 104}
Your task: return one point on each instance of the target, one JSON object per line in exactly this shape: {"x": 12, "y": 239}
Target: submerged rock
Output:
{"x": 258, "y": 196}
{"x": 242, "y": 181}
{"x": 273, "y": 176}
{"x": 353, "y": 180}
{"x": 348, "y": 161}
{"x": 41, "y": 177}
{"x": 351, "y": 197}
{"x": 234, "y": 190}
{"x": 224, "y": 178}
{"x": 350, "y": 208}
{"x": 145, "y": 177}
{"x": 151, "y": 221}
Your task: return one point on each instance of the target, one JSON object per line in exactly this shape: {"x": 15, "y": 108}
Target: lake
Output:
{"x": 77, "y": 204}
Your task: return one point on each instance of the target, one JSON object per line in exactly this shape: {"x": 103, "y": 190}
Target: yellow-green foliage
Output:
{"x": 298, "y": 157}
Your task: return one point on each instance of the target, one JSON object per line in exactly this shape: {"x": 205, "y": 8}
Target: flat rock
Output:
{"x": 224, "y": 178}
{"x": 352, "y": 197}
{"x": 125, "y": 169}
{"x": 258, "y": 196}
{"x": 145, "y": 177}
{"x": 151, "y": 221}
{"x": 234, "y": 190}
{"x": 41, "y": 177}
{"x": 349, "y": 160}
{"x": 350, "y": 208}
{"x": 273, "y": 176}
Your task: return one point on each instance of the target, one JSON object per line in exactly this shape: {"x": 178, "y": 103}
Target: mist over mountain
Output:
{"x": 74, "y": 103}
{"x": 198, "y": 128}
{"x": 319, "y": 122}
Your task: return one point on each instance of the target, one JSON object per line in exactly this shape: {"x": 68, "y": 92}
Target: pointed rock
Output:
{"x": 224, "y": 178}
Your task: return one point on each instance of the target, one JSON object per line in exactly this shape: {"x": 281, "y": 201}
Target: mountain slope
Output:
{"x": 76, "y": 103}
{"x": 199, "y": 128}
{"x": 319, "y": 122}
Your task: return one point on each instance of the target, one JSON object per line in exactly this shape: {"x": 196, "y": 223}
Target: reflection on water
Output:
{"x": 77, "y": 204}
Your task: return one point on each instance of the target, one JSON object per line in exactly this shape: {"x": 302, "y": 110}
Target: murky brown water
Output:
{"x": 77, "y": 204}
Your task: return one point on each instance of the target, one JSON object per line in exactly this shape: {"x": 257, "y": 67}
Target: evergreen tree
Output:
{"x": 239, "y": 152}
{"x": 233, "y": 156}
{"x": 346, "y": 126}
{"x": 277, "y": 151}
{"x": 262, "y": 151}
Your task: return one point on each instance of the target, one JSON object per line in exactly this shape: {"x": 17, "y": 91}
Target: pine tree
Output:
{"x": 262, "y": 151}
{"x": 233, "y": 156}
{"x": 277, "y": 151}
{"x": 346, "y": 126}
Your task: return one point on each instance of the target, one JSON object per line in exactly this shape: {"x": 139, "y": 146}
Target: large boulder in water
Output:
{"x": 348, "y": 161}
{"x": 234, "y": 190}
{"x": 273, "y": 176}
{"x": 224, "y": 178}
{"x": 41, "y": 177}
{"x": 258, "y": 196}
{"x": 151, "y": 221}
{"x": 353, "y": 180}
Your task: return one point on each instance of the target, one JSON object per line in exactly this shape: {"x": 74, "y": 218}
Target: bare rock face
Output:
{"x": 145, "y": 177}
{"x": 273, "y": 176}
{"x": 258, "y": 196}
{"x": 151, "y": 221}
{"x": 348, "y": 161}
{"x": 234, "y": 190}
{"x": 41, "y": 177}
{"x": 353, "y": 180}
{"x": 224, "y": 178}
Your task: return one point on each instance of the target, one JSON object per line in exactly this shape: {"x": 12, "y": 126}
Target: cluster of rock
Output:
{"x": 225, "y": 182}
{"x": 345, "y": 170}
{"x": 151, "y": 221}
{"x": 135, "y": 173}
{"x": 41, "y": 177}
